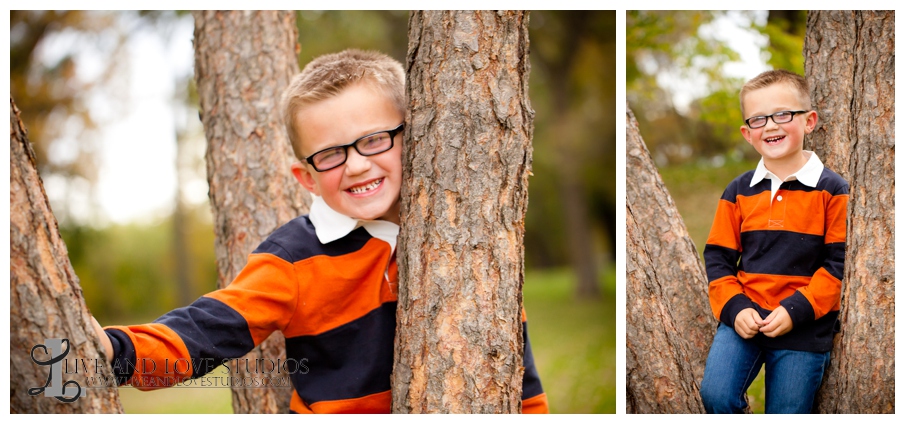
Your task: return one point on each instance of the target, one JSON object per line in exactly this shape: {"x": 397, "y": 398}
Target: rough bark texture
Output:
{"x": 466, "y": 166}
{"x": 45, "y": 298}
{"x": 669, "y": 325}
{"x": 243, "y": 62}
{"x": 850, "y": 66}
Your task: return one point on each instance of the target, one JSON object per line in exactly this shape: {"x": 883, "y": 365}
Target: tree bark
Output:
{"x": 669, "y": 326}
{"x": 466, "y": 164}
{"x": 850, "y": 67}
{"x": 243, "y": 62}
{"x": 46, "y": 301}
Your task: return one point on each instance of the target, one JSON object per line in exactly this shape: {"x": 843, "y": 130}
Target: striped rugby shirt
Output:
{"x": 778, "y": 243}
{"x": 332, "y": 293}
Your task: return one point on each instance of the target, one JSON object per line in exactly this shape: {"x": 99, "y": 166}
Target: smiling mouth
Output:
{"x": 774, "y": 140}
{"x": 366, "y": 188}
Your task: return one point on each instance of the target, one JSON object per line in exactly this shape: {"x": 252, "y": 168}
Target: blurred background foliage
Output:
{"x": 69, "y": 77}
{"x": 679, "y": 87}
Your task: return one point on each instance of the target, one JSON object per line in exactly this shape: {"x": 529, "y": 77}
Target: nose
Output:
{"x": 356, "y": 163}
{"x": 771, "y": 124}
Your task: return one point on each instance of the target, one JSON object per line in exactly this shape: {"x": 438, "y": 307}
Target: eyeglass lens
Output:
{"x": 367, "y": 146}
{"x": 778, "y": 117}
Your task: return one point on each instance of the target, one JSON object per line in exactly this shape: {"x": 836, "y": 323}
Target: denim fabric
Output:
{"x": 791, "y": 378}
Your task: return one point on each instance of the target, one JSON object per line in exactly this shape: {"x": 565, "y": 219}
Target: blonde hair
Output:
{"x": 778, "y": 76}
{"x": 328, "y": 75}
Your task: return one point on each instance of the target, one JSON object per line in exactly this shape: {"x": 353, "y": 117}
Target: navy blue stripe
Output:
{"x": 834, "y": 261}
{"x": 531, "y": 386}
{"x": 733, "y": 306}
{"x": 812, "y": 336}
{"x": 781, "y": 253}
{"x": 296, "y": 241}
{"x": 212, "y": 332}
{"x": 721, "y": 261}
{"x": 832, "y": 183}
{"x": 799, "y": 308}
{"x": 124, "y": 359}
{"x": 348, "y": 362}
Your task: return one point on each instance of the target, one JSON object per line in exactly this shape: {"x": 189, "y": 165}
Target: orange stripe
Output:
{"x": 767, "y": 290}
{"x": 796, "y": 211}
{"x": 720, "y": 291}
{"x": 824, "y": 293}
{"x": 339, "y": 290}
{"x": 724, "y": 231}
{"x": 378, "y": 403}
{"x": 165, "y": 360}
{"x": 264, "y": 293}
{"x": 297, "y": 405}
{"x": 536, "y": 405}
{"x": 836, "y": 212}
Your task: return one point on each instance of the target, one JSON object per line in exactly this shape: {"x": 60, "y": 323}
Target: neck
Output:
{"x": 785, "y": 167}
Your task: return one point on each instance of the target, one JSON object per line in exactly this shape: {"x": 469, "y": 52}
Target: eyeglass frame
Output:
{"x": 392, "y": 132}
{"x": 770, "y": 117}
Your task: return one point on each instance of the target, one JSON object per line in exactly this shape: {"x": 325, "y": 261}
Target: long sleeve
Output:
{"x": 721, "y": 256}
{"x": 191, "y": 341}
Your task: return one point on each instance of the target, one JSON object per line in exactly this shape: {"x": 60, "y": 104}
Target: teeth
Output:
{"x": 365, "y": 188}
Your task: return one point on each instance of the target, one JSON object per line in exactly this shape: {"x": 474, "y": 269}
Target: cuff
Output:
{"x": 733, "y": 307}
{"x": 123, "y": 360}
{"x": 799, "y": 309}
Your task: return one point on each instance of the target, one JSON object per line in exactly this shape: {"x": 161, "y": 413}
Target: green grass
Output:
{"x": 696, "y": 191}
{"x": 573, "y": 341}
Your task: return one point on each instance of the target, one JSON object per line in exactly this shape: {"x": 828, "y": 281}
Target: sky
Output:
{"x": 733, "y": 29}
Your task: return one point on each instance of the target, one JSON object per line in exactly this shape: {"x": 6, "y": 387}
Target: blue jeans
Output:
{"x": 791, "y": 379}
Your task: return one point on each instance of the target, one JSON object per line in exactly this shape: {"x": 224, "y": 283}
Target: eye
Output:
{"x": 374, "y": 142}
{"x": 330, "y": 156}
{"x": 782, "y": 116}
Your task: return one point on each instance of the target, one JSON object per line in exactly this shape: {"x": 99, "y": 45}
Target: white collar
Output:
{"x": 809, "y": 174}
{"x": 330, "y": 225}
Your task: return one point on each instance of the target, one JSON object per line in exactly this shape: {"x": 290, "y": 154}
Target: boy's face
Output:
{"x": 777, "y": 142}
{"x": 364, "y": 187}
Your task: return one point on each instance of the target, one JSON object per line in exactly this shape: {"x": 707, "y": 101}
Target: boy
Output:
{"x": 774, "y": 258}
{"x": 327, "y": 280}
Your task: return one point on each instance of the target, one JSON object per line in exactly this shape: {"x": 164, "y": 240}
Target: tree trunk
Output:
{"x": 669, "y": 326}
{"x": 243, "y": 62}
{"x": 466, "y": 165}
{"x": 850, "y": 67}
{"x": 46, "y": 303}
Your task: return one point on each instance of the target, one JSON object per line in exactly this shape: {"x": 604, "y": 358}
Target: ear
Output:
{"x": 810, "y": 122}
{"x": 746, "y": 132}
{"x": 304, "y": 177}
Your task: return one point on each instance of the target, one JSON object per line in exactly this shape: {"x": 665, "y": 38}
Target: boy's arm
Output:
{"x": 823, "y": 294}
{"x": 191, "y": 341}
{"x": 534, "y": 400}
{"x": 721, "y": 256}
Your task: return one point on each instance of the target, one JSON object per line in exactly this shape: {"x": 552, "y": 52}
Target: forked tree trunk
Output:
{"x": 46, "y": 303}
{"x": 669, "y": 326}
{"x": 466, "y": 160}
{"x": 243, "y": 61}
{"x": 850, "y": 67}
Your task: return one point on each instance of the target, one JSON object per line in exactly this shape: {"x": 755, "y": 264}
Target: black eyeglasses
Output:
{"x": 368, "y": 145}
{"x": 781, "y": 117}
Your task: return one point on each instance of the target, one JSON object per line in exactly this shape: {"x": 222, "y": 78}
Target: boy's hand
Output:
{"x": 777, "y": 323}
{"x": 108, "y": 347}
{"x": 747, "y": 323}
